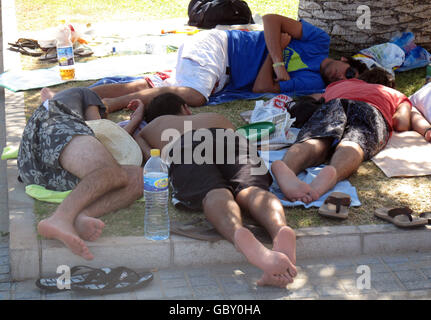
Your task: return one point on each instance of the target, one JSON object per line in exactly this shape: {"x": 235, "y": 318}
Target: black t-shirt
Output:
{"x": 78, "y": 100}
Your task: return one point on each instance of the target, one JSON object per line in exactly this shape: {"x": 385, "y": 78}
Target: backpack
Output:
{"x": 207, "y": 14}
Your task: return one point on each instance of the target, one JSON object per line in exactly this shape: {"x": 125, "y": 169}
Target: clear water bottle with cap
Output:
{"x": 156, "y": 194}
{"x": 65, "y": 56}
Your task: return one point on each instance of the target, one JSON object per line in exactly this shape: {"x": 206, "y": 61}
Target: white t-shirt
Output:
{"x": 421, "y": 99}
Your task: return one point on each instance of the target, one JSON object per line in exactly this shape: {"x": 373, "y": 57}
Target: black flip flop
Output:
{"x": 117, "y": 280}
{"x": 78, "y": 274}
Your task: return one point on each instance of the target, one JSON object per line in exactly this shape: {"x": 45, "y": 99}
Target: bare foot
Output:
{"x": 325, "y": 180}
{"x": 54, "y": 228}
{"x": 89, "y": 228}
{"x": 280, "y": 281}
{"x": 285, "y": 242}
{"x": 293, "y": 188}
{"x": 276, "y": 265}
{"x": 46, "y": 94}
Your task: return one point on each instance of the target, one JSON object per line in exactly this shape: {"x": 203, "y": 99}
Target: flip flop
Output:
{"x": 401, "y": 217}
{"x": 78, "y": 274}
{"x": 117, "y": 280}
{"x": 426, "y": 215}
{"x": 336, "y": 205}
{"x": 27, "y": 43}
{"x": 196, "y": 229}
{"x": 86, "y": 279}
{"x": 50, "y": 55}
{"x": 26, "y": 51}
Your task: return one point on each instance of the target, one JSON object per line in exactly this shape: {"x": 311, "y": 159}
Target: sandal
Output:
{"x": 336, "y": 205}
{"x": 26, "y": 43}
{"x": 426, "y": 215}
{"x": 401, "y": 217}
{"x": 78, "y": 274}
{"x": 117, "y": 280}
{"x": 49, "y": 55}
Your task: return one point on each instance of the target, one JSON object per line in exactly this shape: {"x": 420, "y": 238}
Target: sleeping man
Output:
{"x": 289, "y": 57}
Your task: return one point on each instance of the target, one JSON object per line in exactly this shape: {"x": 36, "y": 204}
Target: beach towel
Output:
{"x": 20, "y": 80}
{"x": 307, "y": 176}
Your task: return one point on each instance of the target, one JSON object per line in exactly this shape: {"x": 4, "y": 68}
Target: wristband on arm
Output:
{"x": 425, "y": 133}
{"x": 278, "y": 64}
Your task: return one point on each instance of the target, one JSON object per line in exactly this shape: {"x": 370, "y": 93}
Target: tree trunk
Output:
{"x": 346, "y": 21}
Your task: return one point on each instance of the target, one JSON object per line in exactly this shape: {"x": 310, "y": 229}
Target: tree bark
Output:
{"x": 346, "y": 24}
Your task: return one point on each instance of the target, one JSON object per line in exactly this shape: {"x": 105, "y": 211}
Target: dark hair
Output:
{"x": 378, "y": 76}
{"x": 357, "y": 64}
{"x": 164, "y": 104}
{"x": 302, "y": 108}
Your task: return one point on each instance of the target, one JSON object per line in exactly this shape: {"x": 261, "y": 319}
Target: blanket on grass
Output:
{"x": 407, "y": 154}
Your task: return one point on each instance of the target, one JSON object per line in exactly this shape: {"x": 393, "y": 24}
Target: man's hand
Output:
{"x": 138, "y": 107}
{"x": 285, "y": 40}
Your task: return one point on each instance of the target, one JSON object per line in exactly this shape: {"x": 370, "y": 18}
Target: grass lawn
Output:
{"x": 374, "y": 188}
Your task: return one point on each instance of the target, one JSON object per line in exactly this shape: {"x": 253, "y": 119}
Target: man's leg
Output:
{"x": 88, "y": 159}
{"x": 268, "y": 211}
{"x": 224, "y": 213}
{"x": 191, "y": 97}
{"x": 87, "y": 226}
{"x": 299, "y": 157}
{"x": 347, "y": 158}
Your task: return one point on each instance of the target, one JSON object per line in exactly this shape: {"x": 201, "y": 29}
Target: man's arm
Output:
{"x": 265, "y": 81}
{"x": 143, "y": 144}
{"x": 401, "y": 118}
{"x": 420, "y": 124}
{"x": 273, "y": 26}
{"x": 136, "y": 117}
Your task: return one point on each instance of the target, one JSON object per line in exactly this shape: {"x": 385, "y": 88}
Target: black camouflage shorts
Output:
{"x": 348, "y": 120}
{"x": 45, "y": 136}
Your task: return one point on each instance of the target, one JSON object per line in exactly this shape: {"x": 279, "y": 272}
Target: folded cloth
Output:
{"x": 42, "y": 194}
{"x": 307, "y": 176}
{"x": 10, "y": 152}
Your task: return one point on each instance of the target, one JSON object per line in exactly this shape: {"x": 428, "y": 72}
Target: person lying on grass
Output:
{"x": 224, "y": 190}
{"x": 59, "y": 151}
{"x": 289, "y": 57}
{"x": 353, "y": 123}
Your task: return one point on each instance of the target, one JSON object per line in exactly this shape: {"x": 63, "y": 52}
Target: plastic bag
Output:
{"x": 415, "y": 56}
{"x": 388, "y": 55}
{"x": 276, "y": 111}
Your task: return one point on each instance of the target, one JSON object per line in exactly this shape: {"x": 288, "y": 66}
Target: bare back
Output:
{"x": 154, "y": 131}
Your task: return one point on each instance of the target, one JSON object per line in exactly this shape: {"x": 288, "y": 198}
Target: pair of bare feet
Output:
{"x": 295, "y": 189}
{"x": 278, "y": 264}
{"x": 72, "y": 234}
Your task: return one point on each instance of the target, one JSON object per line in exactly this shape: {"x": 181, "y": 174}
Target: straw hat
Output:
{"x": 120, "y": 144}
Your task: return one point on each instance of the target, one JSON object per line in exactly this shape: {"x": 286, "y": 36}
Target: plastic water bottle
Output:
{"x": 428, "y": 75}
{"x": 66, "y": 60}
{"x": 156, "y": 194}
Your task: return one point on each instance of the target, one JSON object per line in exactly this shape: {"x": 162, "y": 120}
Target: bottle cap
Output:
{"x": 155, "y": 152}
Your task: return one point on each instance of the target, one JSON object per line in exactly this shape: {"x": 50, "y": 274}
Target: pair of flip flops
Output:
{"x": 50, "y": 55}
{"x": 90, "y": 280}
{"x": 403, "y": 217}
{"x": 336, "y": 205}
{"x": 29, "y": 47}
